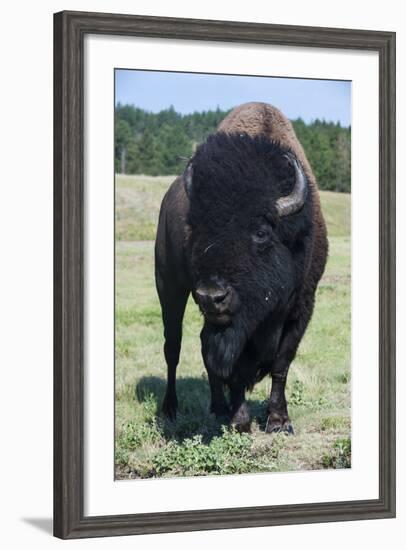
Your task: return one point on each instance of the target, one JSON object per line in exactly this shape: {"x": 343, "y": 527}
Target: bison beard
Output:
{"x": 222, "y": 346}
{"x": 243, "y": 231}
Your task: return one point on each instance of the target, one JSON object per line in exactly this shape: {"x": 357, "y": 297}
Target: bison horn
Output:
{"x": 187, "y": 178}
{"x": 295, "y": 201}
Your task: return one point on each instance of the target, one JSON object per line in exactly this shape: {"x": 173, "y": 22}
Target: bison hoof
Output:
{"x": 170, "y": 407}
{"x": 243, "y": 428}
{"x": 241, "y": 420}
{"x": 277, "y": 423}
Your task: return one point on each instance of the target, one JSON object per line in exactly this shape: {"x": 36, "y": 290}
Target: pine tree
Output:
{"x": 151, "y": 143}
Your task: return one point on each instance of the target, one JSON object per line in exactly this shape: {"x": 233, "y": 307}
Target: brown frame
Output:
{"x": 69, "y": 31}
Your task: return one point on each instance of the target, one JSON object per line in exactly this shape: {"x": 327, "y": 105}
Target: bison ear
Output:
{"x": 187, "y": 179}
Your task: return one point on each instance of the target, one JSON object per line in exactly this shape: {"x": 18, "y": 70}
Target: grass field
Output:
{"x": 318, "y": 389}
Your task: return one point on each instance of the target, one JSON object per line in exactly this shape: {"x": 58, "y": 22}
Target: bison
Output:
{"x": 242, "y": 230}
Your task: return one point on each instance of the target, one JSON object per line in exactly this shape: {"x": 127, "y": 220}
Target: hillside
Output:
{"x": 138, "y": 199}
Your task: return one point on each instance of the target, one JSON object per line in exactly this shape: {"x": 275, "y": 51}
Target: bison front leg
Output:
{"x": 278, "y": 418}
{"x": 218, "y": 406}
{"x": 240, "y": 416}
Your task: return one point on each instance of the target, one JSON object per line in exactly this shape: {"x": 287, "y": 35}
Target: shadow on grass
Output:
{"x": 194, "y": 417}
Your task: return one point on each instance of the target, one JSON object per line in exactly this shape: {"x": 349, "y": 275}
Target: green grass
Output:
{"x": 196, "y": 444}
{"x": 138, "y": 199}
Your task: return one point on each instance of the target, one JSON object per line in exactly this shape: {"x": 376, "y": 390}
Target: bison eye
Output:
{"x": 260, "y": 235}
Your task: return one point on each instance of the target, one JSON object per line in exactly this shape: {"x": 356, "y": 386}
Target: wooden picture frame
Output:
{"x": 69, "y": 31}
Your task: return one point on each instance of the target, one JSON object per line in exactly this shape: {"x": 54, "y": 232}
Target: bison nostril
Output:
{"x": 219, "y": 297}
{"x": 212, "y": 298}
{"x": 202, "y": 294}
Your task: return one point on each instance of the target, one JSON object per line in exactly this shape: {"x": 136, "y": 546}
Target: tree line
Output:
{"x": 155, "y": 143}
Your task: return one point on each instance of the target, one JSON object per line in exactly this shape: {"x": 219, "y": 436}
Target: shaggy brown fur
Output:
{"x": 263, "y": 119}
{"x": 273, "y": 346}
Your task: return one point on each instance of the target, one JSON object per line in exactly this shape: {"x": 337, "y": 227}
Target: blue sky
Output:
{"x": 188, "y": 92}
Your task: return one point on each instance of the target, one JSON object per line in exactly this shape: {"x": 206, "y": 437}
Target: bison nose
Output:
{"x": 213, "y": 299}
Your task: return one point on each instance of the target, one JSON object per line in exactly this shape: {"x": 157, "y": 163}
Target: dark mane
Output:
{"x": 220, "y": 162}
{"x": 240, "y": 175}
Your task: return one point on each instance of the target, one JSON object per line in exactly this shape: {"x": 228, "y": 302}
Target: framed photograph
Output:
{"x": 224, "y": 263}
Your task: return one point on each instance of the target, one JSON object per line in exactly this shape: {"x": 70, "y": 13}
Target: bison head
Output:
{"x": 248, "y": 216}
